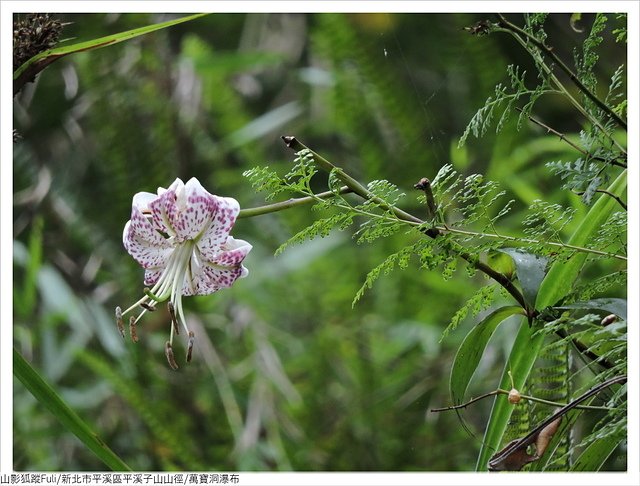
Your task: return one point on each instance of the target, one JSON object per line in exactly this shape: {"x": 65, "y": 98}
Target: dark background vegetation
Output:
{"x": 286, "y": 374}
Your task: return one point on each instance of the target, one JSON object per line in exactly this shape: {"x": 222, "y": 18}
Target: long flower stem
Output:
{"x": 290, "y": 203}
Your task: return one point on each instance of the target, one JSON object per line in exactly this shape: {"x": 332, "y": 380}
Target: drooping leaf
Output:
{"x": 514, "y": 456}
{"x": 472, "y": 348}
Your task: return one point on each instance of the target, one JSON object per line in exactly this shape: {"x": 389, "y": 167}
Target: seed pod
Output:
{"x": 514, "y": 396}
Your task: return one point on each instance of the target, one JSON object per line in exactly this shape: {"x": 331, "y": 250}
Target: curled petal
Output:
{"x": 217, "y": 233}
{"x": 233, "y": 253}
{"x": 161, "y": 208}
{"x": 143, "y": 243}
{"x": 141, "y": 200}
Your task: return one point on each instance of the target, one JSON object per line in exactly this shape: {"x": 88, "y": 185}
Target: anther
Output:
{"x": 168, "y": 351}
{"x": 132, "y": 329}
{"x": 174, "y": 321}
{"x": 149, "y": 307}
{"x": 190, "y": 346}
{"x": 119, "y": 321}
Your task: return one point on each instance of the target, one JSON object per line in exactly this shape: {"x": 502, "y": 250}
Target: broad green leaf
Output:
{"x": 43, "y": 392}
{"x": 595, "y": 455}
{"x": 530, "y": 271}
{"x": 40, "y": 61}
{"x": 472, "y": 348}
{"x": 557, "y": 284}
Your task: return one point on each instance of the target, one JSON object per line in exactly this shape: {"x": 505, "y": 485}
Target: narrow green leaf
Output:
{"x": 612, "y": 305}
{"x": 595, "y": 455}
{"x": 43, "y": 392}
{"x": 557, "y": 284}
{"x": 523, "y": 354}
{"x": 472, "y": 348}
{"x": 530, "y": 270}
{"x": 562, "y": 274}
{"x": 38, "y": 62}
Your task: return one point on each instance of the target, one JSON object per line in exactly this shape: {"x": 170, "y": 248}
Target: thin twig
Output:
{"x": 500, "y": 391}
{"x": 574, "y": 145}
{"x": 465, "y": 405}
{"x": 610, "y": 194}
{"x": 516, "y": 239}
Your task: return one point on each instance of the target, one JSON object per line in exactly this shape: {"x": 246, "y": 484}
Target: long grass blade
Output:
{"x": 40, "y": 61}
{"x": 43, "y": 392}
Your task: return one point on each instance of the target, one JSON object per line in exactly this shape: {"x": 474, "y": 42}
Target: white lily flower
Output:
{"x": 180, "y": 236}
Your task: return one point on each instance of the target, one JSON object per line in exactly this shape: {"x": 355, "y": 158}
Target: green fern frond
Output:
{"x": 587, "y": 61}
{"x": 399, "y": 259}
{"x": 319, "y": 228}
{"x": 545, "y": 221}
{"x": 504, "y": 100}
{"x": 612, "y": 236}
{"x": 598, "y": 286}
{"x": 479, "y": 301}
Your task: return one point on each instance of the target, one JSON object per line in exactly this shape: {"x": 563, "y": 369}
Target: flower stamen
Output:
{"x": 149, "y": 307}
{"x": 168, "y": 351}
{"x": 190, "y": 346}
{"x": 119, "y": 321}
{"x": 132, "y": 329}
{"x": 174, "y": 321}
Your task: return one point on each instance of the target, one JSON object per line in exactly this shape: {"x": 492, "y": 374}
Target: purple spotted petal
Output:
{"x": 193, "y": 211}
{"x": 143, "y": 243}
{"x": 161, "y": 209}
{"x": 217, "y": 234}
{"x": 213, "y": 279}
{"x": 152, "y": 275}
{"x": 233, "y": 253}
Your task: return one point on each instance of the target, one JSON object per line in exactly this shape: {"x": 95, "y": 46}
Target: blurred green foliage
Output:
{"x": 286, "y": 375}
